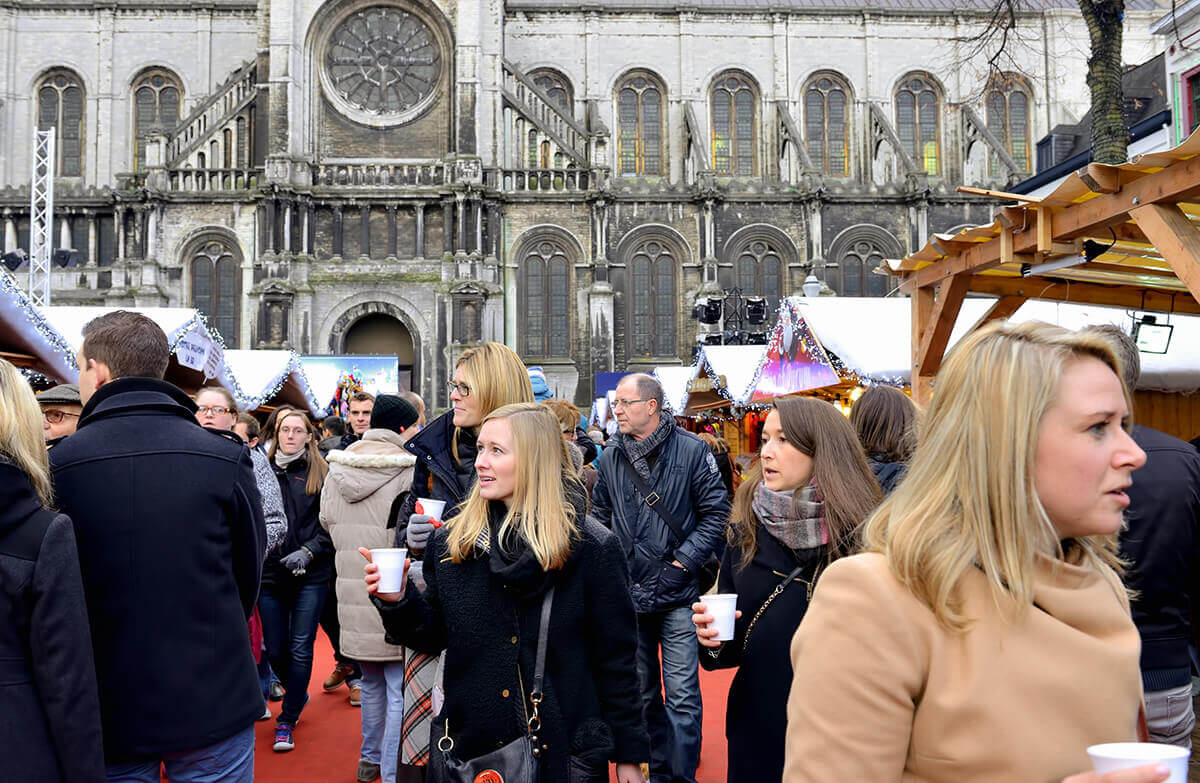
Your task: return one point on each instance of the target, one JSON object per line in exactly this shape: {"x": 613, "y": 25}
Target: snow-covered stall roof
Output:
{"x": 733, "y": 370}
{"x": 25, "y": 331}
{"x": 258, "y": 377}
{"x": 675, "y": 380}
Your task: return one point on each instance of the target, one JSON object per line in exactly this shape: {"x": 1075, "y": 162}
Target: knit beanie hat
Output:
{"x": 393, "y": 413}
{"x": 537, "y": 380}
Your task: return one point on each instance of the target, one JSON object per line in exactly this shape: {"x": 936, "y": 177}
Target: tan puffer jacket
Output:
{"x": 363, "y": 481}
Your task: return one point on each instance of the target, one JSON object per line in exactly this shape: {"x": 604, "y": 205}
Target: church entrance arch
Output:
{"x": 378, "y": 328}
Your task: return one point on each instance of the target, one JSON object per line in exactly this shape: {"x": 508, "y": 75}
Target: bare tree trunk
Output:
{"x": 1105, "y": 23}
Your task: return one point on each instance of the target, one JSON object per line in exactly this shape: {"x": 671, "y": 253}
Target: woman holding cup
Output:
{"x": 798, "y": 510}
{"x": 519, "y": 560}
{"x": 984, "y": 634}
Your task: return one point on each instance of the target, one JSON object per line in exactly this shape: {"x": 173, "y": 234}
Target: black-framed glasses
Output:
{"x": 462, "y": 389}
{"x": 215, "y": 410}
{"x": 56, "y": 417}
{"x": 618, "y": 404}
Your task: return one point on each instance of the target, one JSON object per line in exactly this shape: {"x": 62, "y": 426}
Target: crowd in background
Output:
{"x": 919, "y": 593}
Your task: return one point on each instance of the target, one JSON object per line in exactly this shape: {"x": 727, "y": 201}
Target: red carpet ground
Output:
{"x": 328, "y": 738}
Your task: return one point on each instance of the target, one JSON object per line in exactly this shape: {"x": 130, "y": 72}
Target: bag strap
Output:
{"x": 787, "y": 580}
{"x": 651, "y": 498}
{"x": 534, "y": 723}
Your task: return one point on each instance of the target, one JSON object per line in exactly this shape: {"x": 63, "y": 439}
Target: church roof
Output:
{"x": 883, "y": 6}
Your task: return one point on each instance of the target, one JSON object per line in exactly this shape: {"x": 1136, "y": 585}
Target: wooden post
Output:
{"x": 922, "y": 307}
{"x": 1176, "y": 238}
{"x": 935, "y": 335}
{"x": 1001, "y": 309}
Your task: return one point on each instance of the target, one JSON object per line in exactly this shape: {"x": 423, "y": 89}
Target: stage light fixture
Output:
{"x": 14, "y": 260}
{"x": 1151, "y": 336}
{"x": 756, "y": 309}
{"x": 65, "y": 257}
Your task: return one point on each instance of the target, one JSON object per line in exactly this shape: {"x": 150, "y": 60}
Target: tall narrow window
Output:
{"x": 60, "y": 101}
{"x": 759, "y": 271}
{"x": 918, "y": 122}
{"x": 641, "y": 106}
{"x": 215, "y": 288}
{"x": 156, "y": 103}
{"x": 826, "y": 126}
{"x": 733, "y": 125}
{"x": 858, "y": 266}
{"x": 557, "y": 88}
{"x": 545, "y": 271}
{"x": 1008, "y": 119}
{"x": 652, "y": 299}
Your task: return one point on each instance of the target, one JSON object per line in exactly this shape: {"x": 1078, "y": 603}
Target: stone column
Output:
{"x": 477, "y": 208}
{"x": 93, "y": 254}
{"x": 10, "y": 232}
{"x": 448, "y": 225}
{"x": 287, "y": 226}
{"x": 270, "y": 207}
{"x": 460, "y": 203}
{"x": 364, "y": 234}
{"x": 419, "y": 239}
{"x": 391, "y": 229}
{"x": 337, "y": 230}
{"x": 64, "y": 232}
{"x": 120, "y": 231}
{"x": 152, "y": 233}
{"x": 310, "y": 227}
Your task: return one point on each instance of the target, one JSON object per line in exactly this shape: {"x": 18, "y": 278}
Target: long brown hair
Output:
{"x": 844, "y": 480}
{"x": 885, "y": 420}
{"x": 318, "y": 468}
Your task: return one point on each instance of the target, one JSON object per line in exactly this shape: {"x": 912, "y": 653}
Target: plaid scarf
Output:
{"x": 639, "y": 450}
{"x": 795, "y": 518}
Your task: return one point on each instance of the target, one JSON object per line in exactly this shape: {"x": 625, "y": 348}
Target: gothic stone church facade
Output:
{"x": 566, "y": 176}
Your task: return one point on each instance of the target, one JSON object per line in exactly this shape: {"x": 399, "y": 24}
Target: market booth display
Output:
{"x": 1120, "y": 236}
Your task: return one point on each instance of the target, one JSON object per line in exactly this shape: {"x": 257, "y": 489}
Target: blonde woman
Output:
{"x": 522, "y": 536}
{"x": 984, "y": 634}
{"x": 49, "y": 707}
{"x": 296, "y": 577}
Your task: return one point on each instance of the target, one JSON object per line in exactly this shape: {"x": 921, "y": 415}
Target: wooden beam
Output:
{"x": 942, "y": 317}
{"x": 1001, "y": 309}
{"x": 1045, "y": 232}
{"x": 997, "y": 194}
{"x": 1100, "y": 178}
{"x": 1177, "y": 239}
{"x": 1129, "y": 296}
{"x": 1089, "y": 218}
{"x": 922, "y": 309}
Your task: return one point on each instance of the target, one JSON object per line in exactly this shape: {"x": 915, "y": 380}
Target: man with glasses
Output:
{"x": 656, "y": 479}
{"x": 60, "y": 412}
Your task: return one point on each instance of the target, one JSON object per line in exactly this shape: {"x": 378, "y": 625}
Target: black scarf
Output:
{"x": 640, "y": 450}
{"x": 464, "y": 462}
{"x": 510, "y": 558}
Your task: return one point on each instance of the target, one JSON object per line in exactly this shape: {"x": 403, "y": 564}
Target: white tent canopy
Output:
{"x": 24, "y": 329}
{"x": 256, "y": 377}
{"x": 675, "y": 380}
{"x": 738, "y": 365}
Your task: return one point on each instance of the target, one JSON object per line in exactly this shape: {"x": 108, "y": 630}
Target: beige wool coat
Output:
{"x": 363, "y": 481}
{"x": 882, "y": 692}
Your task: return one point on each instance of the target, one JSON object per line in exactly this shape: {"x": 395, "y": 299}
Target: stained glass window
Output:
{"x": 1008, "y": 120}
{"x": 858, "y": 267}
{"x": 215, "y": 288}
{"x": 733, "y": 125}
{"x": 60, "y": 101}
{"x": 918, "y": 121}
{"x": 556, "y": 86}
{"x": 652, "y": 300}
{"x": 546, "y": 300}
{"x": 759, "y": 269}
{"x": 825, "y": 126}
{"x": 156, "y": 103}
{"x": 640, "y": 126}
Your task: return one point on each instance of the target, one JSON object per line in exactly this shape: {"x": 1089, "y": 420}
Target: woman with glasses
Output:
{"x": 485, "y": 378}
{"x": 296, "y": 578}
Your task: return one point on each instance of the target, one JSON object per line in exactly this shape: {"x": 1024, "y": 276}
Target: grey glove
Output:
{"x": 420, "y": 528}
{"x": 297, "y": 561}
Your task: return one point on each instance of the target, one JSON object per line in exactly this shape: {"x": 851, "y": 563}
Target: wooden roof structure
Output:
{"x": 1124, "y": 236}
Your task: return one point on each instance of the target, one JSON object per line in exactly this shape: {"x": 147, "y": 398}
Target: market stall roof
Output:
{"x": 675, "y": 380}
{"x": 258, "y": 378}
{"x": 197, "y": 354}
{"x": 1123, "y": 236}
{"x": 726, "y": 376}
{"x": 28, "y": 340}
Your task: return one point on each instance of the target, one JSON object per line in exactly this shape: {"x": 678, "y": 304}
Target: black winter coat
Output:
{"x": 592, "y": 705}
{"x": 1161, "y": 541}
{"x": 171, "y": 538}
{"x": 434, "y": 475}
{"x": 49, "y": 708}
{"x": 756, "y": 713}
{"x": 304, "y": 529}
{"x": 888, "y": 474}
{"x": 686, "y": 478}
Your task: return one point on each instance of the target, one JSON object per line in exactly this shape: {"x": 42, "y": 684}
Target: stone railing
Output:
{"x": 213, "y": 115}
{"x": 379, "y": 174}
{"x": 200, "y": 180}
{"x": 558, "y": 180}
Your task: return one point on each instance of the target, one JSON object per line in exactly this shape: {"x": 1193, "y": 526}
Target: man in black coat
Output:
{"x": 680, "y": 471}
{"x": 171, "y": 539}
{"x": 1161, "y": 543}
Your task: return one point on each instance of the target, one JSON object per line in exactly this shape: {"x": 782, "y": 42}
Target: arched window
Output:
{"x": 641, "y": 110}
{"x": 215, "y": 286}
{"x": 556, "y": 86}
{"x": 758, "y": 269}
{"x": 826, "y": 125}
{"x": 156, "y": 103}
{"x": 918, "y": 121}
{"x": 734, "y": 128}
{"x": 651, "y": 295}
{"x": 545, "y": 270}
{"x": 1008, "y": 118}
{"x": 858, "y": 251}
{"x": 60, "y": 102}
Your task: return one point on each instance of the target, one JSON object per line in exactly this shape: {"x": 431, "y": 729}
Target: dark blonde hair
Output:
{"x": 568, "y": 414}
{"x": 21, "y": 439}
{"x": 885, "y": 420}
{"x": 842, "y": 477}
{"x": 318, "y": 468}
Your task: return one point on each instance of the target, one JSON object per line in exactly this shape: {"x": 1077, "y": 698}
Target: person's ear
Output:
{"x": 100, "y": 372}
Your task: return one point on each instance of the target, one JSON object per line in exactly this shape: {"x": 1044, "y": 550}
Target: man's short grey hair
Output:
{"x": 648, "y": 388}
{"x": 1127, "y": 352}
{"x": 413, "y": 399}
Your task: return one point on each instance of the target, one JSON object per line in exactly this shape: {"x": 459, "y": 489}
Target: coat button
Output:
{"x": 504, "y": 693}
{"x": 513, "y": 640}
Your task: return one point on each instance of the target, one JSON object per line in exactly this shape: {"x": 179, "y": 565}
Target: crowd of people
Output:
{"x": 926, "y": 595}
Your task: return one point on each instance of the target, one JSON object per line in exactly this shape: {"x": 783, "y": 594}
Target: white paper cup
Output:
{"x": 722, "y": 607}
{"x": 391, "y": 568}
{"x": 1124, "y": 755}
{"x": 430, "y": 507}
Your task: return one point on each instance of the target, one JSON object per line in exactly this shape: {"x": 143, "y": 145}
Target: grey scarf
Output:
{"x": 796, "y": 518}
{"x": 283, "y": 460}
{"x": 639, "y": 450}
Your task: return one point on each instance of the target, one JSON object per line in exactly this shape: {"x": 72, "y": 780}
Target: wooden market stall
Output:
{"x": 1125, "y": 236}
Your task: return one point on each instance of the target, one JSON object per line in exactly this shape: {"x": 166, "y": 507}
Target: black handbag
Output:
{"x": 708, "y": 571}
{"x": 517, "y": 761}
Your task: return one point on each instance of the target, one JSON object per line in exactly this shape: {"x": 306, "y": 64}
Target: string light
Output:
{"x": 41, "y": 328}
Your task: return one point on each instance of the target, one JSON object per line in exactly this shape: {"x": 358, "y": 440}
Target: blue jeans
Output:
{"x": 382, "y": 714}
{"x": 675, "y": 728}
{"x": 290, "y": 613}
{"x": 228, "y": 761}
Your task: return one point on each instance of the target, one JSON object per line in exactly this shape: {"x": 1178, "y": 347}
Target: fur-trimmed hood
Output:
{"x": 359, "y": 471}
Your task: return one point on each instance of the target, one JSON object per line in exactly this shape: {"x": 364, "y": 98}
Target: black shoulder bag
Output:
{"x": 708, "y": 572}
{"x": 516, "y": 762}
